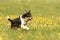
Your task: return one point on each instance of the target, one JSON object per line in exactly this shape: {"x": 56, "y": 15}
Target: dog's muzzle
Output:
{"x": 30, "y": 18}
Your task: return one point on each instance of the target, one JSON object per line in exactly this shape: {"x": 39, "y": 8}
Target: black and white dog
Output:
{"x": 21, "y": 21}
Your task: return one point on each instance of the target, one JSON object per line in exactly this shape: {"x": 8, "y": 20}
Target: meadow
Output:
{"x": 45, "y": 24}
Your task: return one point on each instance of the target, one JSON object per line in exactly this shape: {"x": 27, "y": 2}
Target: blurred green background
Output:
{"x": 37, "y": 7}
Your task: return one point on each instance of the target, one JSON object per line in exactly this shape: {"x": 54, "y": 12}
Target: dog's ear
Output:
{"x": 26, "y": 11}
{"x": 29, "y": 11}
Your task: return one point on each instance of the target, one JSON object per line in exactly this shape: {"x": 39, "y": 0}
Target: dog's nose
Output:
{"x": 31, "y": 18}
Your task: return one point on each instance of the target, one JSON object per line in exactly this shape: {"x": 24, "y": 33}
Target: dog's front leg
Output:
{"x": 24, "y": 27}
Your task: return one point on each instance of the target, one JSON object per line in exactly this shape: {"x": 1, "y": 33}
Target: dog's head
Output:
{"x": 27, "y": 15}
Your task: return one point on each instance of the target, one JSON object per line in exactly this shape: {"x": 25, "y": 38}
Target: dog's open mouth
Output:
{"x": 30, "y": 19}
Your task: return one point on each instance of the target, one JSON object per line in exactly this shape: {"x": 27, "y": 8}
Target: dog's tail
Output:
{"x": 9, "y": 19}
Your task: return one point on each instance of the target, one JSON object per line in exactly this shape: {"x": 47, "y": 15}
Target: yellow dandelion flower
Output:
{"x": 59, "y": 35}
{"x": 1, "y": 37}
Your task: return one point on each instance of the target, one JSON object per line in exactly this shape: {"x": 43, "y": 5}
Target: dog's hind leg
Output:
{"x": 14, "y": 26}
{"x": 11, "y": 26}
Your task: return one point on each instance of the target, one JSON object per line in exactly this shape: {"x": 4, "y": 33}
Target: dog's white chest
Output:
{"x": 24, "y": 24}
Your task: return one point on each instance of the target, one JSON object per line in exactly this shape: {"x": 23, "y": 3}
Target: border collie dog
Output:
{"x": 21, "y": 21}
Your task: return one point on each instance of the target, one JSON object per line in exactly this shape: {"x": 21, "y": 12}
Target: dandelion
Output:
{"x": 59, "y": 34}
{"x": 1, "y": 37}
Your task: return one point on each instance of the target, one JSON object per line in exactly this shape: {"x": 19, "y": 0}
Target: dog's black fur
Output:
{"x": 16, "y": 23}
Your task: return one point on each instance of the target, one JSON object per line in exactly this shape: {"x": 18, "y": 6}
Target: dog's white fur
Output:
{"x": 8, "y": 17}
{"x": 22, "y": 23}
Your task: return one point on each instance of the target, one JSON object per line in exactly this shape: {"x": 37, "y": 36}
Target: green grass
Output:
{"x": 44, "y": 26}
